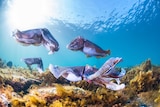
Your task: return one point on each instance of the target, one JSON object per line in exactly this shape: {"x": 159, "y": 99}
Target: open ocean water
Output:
{"x": 129, "y": 28}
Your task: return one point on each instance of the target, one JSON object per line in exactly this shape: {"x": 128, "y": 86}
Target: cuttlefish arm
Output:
{"x": 108, "y": 83}
{"x": 32, "y": 61}
{"x": 114, "y": 74}
{"x": 111, "y": 85}
{"x": 106, "y": 79}
{"x": 49, "y": 41}
{"x": 28, "y": 37}
{"x": 106, "y": 67}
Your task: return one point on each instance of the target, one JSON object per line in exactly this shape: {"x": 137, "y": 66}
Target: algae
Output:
{"x": 21, "y": 88}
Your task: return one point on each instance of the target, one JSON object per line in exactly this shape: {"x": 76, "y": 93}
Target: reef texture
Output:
{"x": 21, "y": 88}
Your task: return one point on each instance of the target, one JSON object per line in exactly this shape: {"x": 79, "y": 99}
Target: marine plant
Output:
{"x": 142, "y": 89}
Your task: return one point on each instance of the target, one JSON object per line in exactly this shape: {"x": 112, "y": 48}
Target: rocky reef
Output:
{"x": 21, "y": 88}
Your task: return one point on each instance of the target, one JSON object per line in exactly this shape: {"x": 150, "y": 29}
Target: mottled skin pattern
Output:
{"x": 105, "y": 68}
{"x": 77, "y": 72}
{"x": 37, "y": 37}
{"x": 102, "y": 76}
{"x": 32, "y": 61}
{"x": 87, "y": 47}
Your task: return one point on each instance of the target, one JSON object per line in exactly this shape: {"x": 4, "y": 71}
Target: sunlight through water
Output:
{"x": 28, "y": 13}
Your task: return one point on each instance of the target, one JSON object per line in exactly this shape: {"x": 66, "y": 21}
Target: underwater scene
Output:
{"x": 80, "y": 53}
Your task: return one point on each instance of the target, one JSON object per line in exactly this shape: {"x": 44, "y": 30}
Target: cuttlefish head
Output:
{"x": 76, "y": 44}
{"x": 49, "y": 41}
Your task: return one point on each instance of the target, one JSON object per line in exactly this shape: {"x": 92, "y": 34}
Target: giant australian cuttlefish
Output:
{"x": 87, "y": 47}
{"x": 37, "y": 37}
{"x": 34, "y": 61}
{"x": 102, "y": 76}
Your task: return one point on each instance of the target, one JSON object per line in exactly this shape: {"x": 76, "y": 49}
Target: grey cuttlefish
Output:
{"x": 102, "y": 76}
{"x": 87, "y": 47}
{"x": 32, "y": 61}
{"x": 37, "y": 37}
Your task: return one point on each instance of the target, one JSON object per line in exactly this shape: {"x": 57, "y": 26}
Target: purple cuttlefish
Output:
{"x": 37, "y": 37}
{"x": 102, "y": 76}
{"x": 32, "y": 61}
{"x": 87, "y": 47}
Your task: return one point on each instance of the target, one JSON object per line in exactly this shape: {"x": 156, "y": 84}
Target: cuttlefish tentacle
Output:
{"x": 107, "y": 82}
{"x": 49, "y": 41}
{"x": 115, "y": 74}
{"x": 106, "y": 67}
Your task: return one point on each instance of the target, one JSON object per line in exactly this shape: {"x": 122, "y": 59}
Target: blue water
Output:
{"x": 130, "y": 29}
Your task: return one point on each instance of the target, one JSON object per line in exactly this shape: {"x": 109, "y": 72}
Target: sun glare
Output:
{"x": 28, "y": 13}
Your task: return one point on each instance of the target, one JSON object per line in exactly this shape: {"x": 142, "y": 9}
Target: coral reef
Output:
{"x": 20, "y": 79}
{"x": 21, "y": 88}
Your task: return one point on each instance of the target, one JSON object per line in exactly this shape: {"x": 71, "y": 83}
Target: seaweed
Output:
{"x": 142, "y": 82}
{"x": 21, "y": 88}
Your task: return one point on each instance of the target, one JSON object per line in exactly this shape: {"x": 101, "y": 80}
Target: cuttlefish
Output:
{"x": 32, "y": 61}
{"x": 102, "y": 76}
{"x": 75, "y": 73}
{"x": 37, "y": 37}
{"x": 87, "y": 47}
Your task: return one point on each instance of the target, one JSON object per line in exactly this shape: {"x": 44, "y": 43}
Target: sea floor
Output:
{"x": 21, "y": 88}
